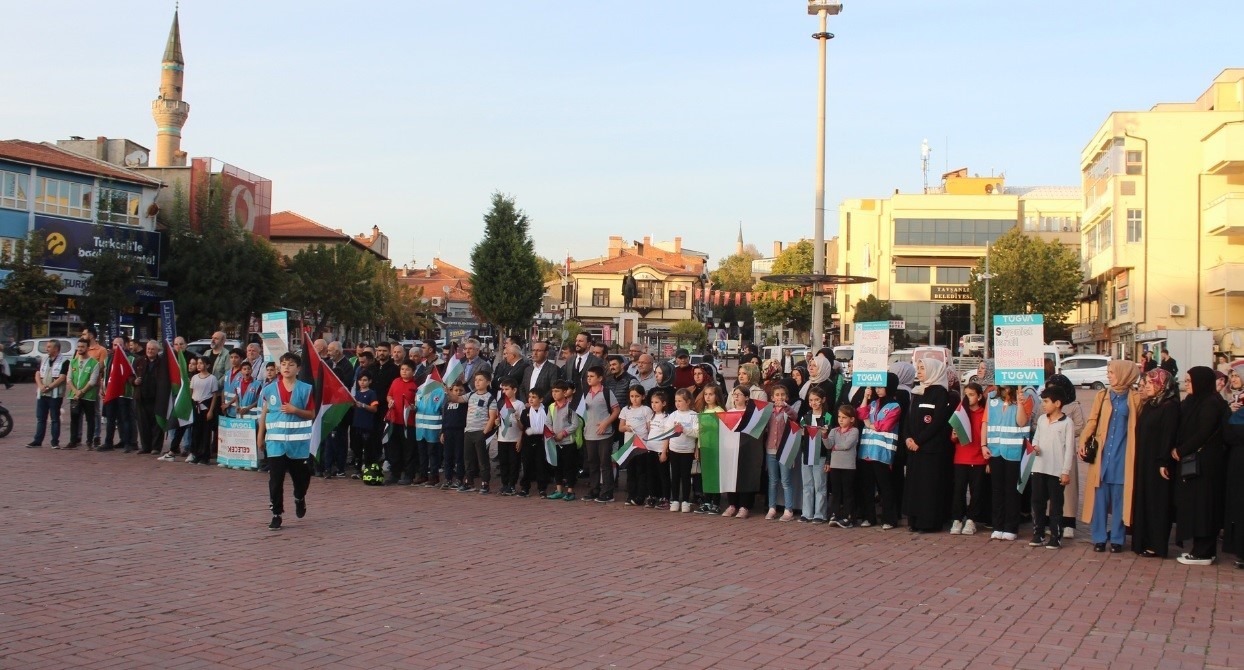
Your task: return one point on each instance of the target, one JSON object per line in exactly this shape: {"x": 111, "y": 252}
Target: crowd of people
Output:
{"x": 919, "y": 448}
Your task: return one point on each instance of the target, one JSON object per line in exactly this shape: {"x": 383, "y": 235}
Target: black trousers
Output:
{"x": 365, "y": 448}
{"x": 680, "y": 476}
{"x": 79, "y": 410}
{"x": 150, "y": 436}
{"x": 876, "y": 478}
{"x": 968, "y": 479}
{"x": 534, "y": 463}
{"x": 507, "y": 462}
{"x": 842, "y": 493}
{"x": 299, "y": 473}
{"x": 567, "y": 465}
{"x": 658, "y": 476}
{"x": 1004, "y": 475}
{"x": 401, "y": 453}
{"x": 741, "y": 499}
{"x": 201, "y": 436}
{"x": 1204, "y": 547}
{"x": 1046, "y": 491}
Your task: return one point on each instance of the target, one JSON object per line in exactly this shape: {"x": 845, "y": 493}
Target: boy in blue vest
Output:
{"x": 429, "y": 403}
{"x": 285, "y": 433}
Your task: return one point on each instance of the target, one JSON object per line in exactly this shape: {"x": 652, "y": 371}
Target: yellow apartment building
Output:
{"x": 1163, "y": 236}
{"x": 921, "y": 247}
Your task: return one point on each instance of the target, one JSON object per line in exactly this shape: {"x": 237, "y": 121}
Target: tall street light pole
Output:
{"x": 822, "y": 9}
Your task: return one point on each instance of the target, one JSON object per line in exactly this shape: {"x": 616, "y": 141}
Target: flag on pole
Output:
{"x": 719, "y": 451}
{"x": 813, "y": 455}
{"x": 756, "y": 418}
{"x": 1025, "y": 466}
{"x": 120, "y": 371}
{"x": 453, "y": 371}
{"x": 961, "y": 424}
{"x": 632, "y": 445}
{"x": 180, "y": 411}
{"x": 330, "y": 399}
{"x": 792, "y": 438}
{"x": 550, "y": 447}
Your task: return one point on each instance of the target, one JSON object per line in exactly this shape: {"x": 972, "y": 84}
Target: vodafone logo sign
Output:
{"x": 242, "y": 206}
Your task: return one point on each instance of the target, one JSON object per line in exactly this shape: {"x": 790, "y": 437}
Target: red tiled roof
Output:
{"x": 290, "y": 225}
{"x": 628, "y": 261}
{"x": 51, "y": 156}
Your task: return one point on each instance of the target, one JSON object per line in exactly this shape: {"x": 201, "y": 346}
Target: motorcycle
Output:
{"x": 6, "y": 421}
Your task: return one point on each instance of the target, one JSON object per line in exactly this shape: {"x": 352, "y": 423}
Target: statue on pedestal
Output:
{"x": 629, "y": 290}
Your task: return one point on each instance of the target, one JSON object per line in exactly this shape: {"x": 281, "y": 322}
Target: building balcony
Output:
{"x": 1106, "y": 264}
{"x": 1226, "y": 278}
{"x": 1222, "y": 152}
{"x": 1097, "y": 206}
{"x": 1224, "y": 216}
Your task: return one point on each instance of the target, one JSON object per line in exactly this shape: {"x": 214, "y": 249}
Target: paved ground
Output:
{"x": 115, "y": 561}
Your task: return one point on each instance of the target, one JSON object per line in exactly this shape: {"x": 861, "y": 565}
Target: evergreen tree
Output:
{"x": 508, "y": 284}
{"x": 27, "y": 293}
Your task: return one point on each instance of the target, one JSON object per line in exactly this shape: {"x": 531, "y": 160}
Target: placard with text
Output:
{"x": 1019, "y": 349}
{"x": 871, "y": 361}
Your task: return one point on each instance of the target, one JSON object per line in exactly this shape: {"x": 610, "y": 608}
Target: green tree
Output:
{"x": 734, "y": 273}
{"x": 571, "y": 330}
{"x": 874, "y": 309}
{"x": 356, "y": 295}
{"x": 1030, "y": 276}
{"x": 689, "y": 333}
{"x": 107, "y": 291}
{"x": 507, "y": 276}
{"x": 218, "y": 272}
{"x": 549, "y": 269}
{"x": 795, "y": 313}
{"x": 27, "y": 293}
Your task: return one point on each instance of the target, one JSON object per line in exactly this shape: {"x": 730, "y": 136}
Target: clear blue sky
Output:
{"x": 649, "y": 117}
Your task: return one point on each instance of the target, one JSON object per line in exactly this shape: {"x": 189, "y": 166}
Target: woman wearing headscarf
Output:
{"x": 1233, "y": 517}
{"x": 700, "y": 377}
{"x": 1156, "y": 429}
{"x": 906, "y": 374}
{"x": 1108, "y": 484}
{"x": 664, "y": 372}
{"x": 1199, "y": 497}
{"x": 794, "y": 384}
{"x": 749, "y": 376}
{"x": 927, "y": 444}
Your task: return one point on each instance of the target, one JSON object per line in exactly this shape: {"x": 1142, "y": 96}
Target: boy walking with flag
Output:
{"x": 285, "y": 433}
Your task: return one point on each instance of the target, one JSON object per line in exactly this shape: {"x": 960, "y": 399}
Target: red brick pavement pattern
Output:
{"x": 116, "y": 561}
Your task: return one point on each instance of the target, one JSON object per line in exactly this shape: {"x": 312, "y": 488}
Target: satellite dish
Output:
{"x": 136, "y": 159}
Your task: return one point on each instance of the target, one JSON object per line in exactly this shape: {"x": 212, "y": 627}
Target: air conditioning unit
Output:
{"x": 1179, "y": 310}
{"x": 436, "y": 302}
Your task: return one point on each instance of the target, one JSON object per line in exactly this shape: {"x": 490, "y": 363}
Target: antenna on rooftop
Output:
{"x": 924, "y": 162}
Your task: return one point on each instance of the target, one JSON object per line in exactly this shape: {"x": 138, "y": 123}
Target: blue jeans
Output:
{"x": 43, "y": 407}
{"x": 1108, "y": 500}
{"x": 783, "y": 482}
{"x": 815, "y": 502}
{"x": 429, "y": 458}
{"x": 453, "y": 454}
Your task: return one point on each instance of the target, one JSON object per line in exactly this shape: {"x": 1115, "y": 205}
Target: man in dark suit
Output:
{"x": 512, "y": 365}
{"x": 540, "y": 375}
{"x": 580, "y": 361}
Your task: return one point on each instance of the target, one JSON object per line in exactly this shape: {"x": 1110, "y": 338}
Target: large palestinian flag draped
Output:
{"x": 180, "y": 410}
{"x": 330, "y": 399}
{"x": 719, "y": 450}
{"x": 1025, "y": 466}
{"x": 756, "y": 418}
{"x": 120, "y": 371}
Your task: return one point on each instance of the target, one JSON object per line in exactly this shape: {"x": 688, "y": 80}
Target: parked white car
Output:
{"x": 1086, "y": 370}
{"x": 1064, "y": 347}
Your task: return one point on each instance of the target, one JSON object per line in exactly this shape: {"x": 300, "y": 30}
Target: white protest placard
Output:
{"x": 871, "y": 361}
{"x": 275, "y": 334}
{"x": 235, "y": 444}
{"x": 1019, "y": 349}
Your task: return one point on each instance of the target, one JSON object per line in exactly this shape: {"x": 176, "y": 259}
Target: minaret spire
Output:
{"x": 738, "y": 246}
{"x": 169, "y": 110}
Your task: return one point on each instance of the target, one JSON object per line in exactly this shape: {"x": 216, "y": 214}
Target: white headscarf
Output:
{"x": 934, "y": 375}
{"x": 823, "y": 371}
{"x": 906, "y": 373}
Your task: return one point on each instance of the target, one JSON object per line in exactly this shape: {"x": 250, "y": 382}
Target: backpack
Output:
{"x": 373, "y": 474}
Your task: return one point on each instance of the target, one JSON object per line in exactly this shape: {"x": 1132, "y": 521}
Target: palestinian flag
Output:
{"x": 632, "y": 445}
{"x": 120, "y": 371}
{"x": 813, "y": 455}
{"x": 1025, "y": 465}
{"x": 550, "y": 447}
{"x": 388, "y": 433}
{"x": 756, "y": 418}
{"x": 180, "y": 406}
{"x": 665, "y": 435}
{"x": 962, "y": 425}
{"x": 719, "y": 450}
{"x": 792, "y": 438}
{"x": 507, "y": 413}
{"x": 453, "y": 371}
{"x": 330, "y": 399}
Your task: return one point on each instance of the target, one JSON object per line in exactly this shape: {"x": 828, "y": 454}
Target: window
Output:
{"x": 1030, "y": 224}
{"x": 13, "y": 187}
{"x": 8, "y": 247}
{"x": 600, "y": 297}
{"x": 1127, "y": 187}
{"x": 678, "y": 300}
{"x": 1135, "y": 225}
{"x": 905, "y": 274}
{"x": 54, "y": 196}
{"x": 117, "y": 206}
{"x": 953, "y": 232}
{"x": 954, "y": 275}
{"x": 1135, "y": 162}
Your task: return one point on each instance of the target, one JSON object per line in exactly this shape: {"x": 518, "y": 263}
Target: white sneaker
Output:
{"x": 191, "y": 459}
{"x": 887, "y": 526}
{"x": 956, "y": 528}
{"x": 674, "y": 506}
{"x": 866, "y": 524}
{"x": 166, "y": 456}
{"x": 1069, "y": 533}
{"x": 686, "y": 508}
{"x": 969, "y": 527}
{"x": 1009, "y": 537}
{"x": 1188, "y": 559}
{"x": 996, "y": 535}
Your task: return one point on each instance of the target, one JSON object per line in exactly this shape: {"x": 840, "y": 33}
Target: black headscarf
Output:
{"x": 1063, "y": 386}
{"x": 667, "y": 374}
{"x": 891, "y": 387}
{"x": 1202, "y": 379}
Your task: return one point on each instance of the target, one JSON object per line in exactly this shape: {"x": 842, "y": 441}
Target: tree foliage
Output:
{"x": 689, "y": 333}
{"x": 550, "y": 270}
{"x": 795, "y": 313}
{"x": 107, "y": 291}
{"x": 873, "y": 308}
{"x": 340, "y": 285}
{"x": 734, "y": 273}
{"x": 28, "y": 291}
{"x": 508, "y": 284}
{"x": 1030, "y": 276}
{"x": 219, "y": 272}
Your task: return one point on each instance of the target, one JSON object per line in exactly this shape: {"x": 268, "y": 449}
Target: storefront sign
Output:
{"x": 871, "y": 362}
{"x": 168, "y": 320}
{"x": 950, "y": 293}
{"x": 69, "y": 243}
{"x": 1019, "y": 349}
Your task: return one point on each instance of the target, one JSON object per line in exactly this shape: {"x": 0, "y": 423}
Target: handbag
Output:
{"x": 1190, "y": 466}
{"x": 1091, "y": 448}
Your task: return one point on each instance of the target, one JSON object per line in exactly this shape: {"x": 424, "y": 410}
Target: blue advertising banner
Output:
{"x": 168, "y": 320}
{"x": 71, "y": 242}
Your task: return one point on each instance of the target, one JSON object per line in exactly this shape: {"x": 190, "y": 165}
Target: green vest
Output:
{"x": 80, "y": 372}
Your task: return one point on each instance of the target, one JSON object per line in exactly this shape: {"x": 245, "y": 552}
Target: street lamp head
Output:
{"x": 831, "y": 7}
